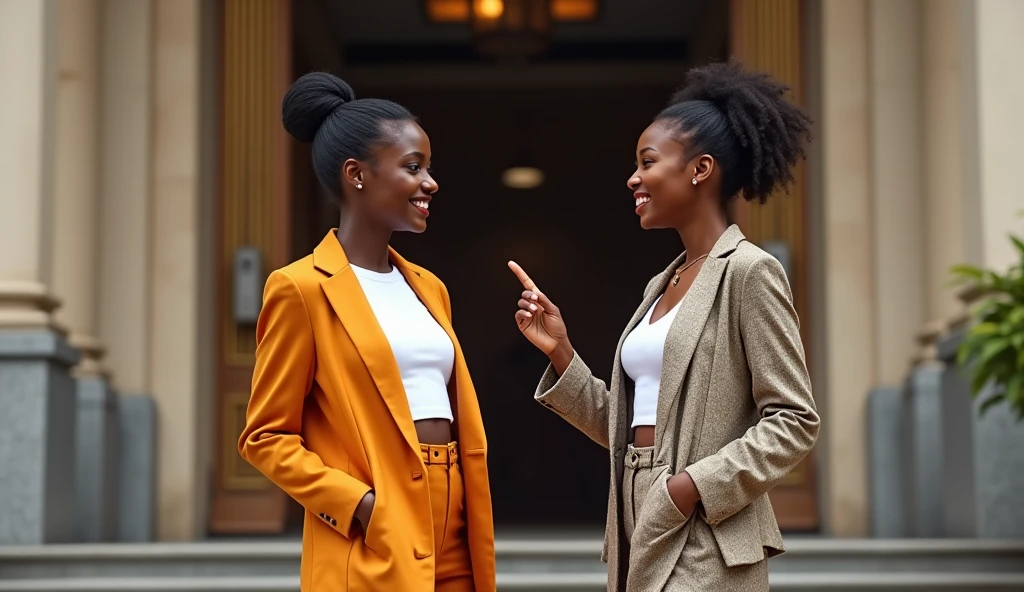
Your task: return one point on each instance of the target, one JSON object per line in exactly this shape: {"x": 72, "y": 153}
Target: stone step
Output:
{"x": 514, "y": 555}
{"x": 565, "y": 582}
{"x": 539, "y": 564}
{"x": 830, "y": 555}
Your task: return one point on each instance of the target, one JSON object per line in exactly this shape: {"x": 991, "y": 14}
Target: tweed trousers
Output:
{"x": 700, "y": 567}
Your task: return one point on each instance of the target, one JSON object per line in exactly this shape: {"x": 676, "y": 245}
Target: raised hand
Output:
{"x": 539, "y": 319}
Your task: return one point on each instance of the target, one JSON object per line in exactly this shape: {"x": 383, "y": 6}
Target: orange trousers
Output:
{"x": 453, "y": 571}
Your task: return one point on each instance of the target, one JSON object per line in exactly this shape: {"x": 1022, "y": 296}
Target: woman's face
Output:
{"x": 397, "y": 186}
{"x": 662, "y": 185}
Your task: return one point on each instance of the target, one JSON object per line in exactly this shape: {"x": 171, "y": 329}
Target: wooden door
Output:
{"x": 767, "y": 35}
{"x": 255, "y": 180}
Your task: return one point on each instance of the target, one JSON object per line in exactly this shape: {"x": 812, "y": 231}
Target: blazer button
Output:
{"x": 417, "y": 475}
{"x": 422, "y": 554}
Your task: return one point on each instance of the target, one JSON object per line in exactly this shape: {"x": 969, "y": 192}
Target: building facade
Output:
{"x": 142, "y": 161}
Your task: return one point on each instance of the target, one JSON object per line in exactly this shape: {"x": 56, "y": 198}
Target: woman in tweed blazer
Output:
{"x": 710, "y": 403}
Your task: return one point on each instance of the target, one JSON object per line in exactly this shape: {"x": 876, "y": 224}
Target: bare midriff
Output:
{"x": 434, "y": 431}
{"x": 643, "y": 436}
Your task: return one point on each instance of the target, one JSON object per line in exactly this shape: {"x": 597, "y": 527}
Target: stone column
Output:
{"x": 174, "y": 263}
{"x": 901, "y": 35}
{"x": 897, "y": 201}
{"x": 942, "y": 75}
{"x": 75, "y": 263}
{"x": 993, "y": 33}
{"x": 845, "y": 144}
{"x": 37, "y": 393}
{"x": 985, "y": 454}
{"x": 126, "y": 107}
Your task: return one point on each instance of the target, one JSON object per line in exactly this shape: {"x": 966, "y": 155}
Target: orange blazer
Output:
{"x": 328, "y": 419}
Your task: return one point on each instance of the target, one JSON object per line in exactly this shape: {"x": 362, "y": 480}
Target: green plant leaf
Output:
{"x": 992, "y": 351}
{"x": 967, "y": 272}
{"x": 1015, "y": 317}
{"x": 1019, "y": 244}
{"x": 985, "y": 329}
{"x": 990, "y": 402}
{"x": 992, "y": 348}
{"x": 966, "y": 353}
{"x": 979, "y": 381}
{"x": 1013, "y": 390}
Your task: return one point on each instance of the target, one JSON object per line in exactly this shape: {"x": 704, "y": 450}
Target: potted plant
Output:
{"x": 992, "y": 352}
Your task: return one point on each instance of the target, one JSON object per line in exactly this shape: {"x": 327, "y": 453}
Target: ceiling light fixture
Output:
{"x": 562, "y": 11}
{"x": 522, "y": 177}
{"x": 511, "y": 28}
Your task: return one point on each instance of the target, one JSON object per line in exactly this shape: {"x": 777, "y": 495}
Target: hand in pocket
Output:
{"x": 364, "y": 512}
{"x": 683, "y": 493}
{"x": 660, "y": 508}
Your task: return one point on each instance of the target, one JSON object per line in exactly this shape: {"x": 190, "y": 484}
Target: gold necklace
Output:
{"x": 675, "y": 280}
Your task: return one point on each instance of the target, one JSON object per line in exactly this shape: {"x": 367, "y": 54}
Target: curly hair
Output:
{"x": 743, "y": 120}
{"x": 322, "y": 109}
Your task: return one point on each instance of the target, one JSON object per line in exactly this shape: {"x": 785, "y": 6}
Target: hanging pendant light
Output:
{"x": 458, "y": 11}
{"x": 511, "y": 28}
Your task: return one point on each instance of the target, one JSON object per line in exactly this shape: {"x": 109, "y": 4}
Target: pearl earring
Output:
{"x": 360, "y": 185}
{"x": 694, "y": 181}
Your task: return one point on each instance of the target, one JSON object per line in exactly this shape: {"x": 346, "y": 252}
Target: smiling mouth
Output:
{"x": 642, "y": 200}
{"x": 422, "y": 206}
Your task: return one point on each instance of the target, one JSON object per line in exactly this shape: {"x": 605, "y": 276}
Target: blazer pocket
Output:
{"x": 659, "y": 508}
{"x": 739, "y": 538}
{"x": 373, "y": 536}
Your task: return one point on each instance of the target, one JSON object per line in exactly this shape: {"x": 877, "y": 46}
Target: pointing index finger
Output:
{"x": 525, "y": 279}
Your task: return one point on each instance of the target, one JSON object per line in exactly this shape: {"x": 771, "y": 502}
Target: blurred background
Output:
{"x": 147, "y": 188}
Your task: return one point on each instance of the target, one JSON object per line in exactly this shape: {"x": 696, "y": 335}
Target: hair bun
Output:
{"x": 310, "y": 100}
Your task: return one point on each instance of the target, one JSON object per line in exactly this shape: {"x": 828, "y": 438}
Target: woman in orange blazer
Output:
{"x": 360, "y": 389}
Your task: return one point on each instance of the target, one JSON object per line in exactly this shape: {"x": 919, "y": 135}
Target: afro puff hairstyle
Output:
{"x": 743, "y": 121}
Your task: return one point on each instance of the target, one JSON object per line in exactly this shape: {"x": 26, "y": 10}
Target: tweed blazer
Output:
{"x": 735, "y": 411}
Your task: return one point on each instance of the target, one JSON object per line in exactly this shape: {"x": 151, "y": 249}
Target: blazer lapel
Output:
{"x": 346, "y": 296}
{"x": 687, "y": 327}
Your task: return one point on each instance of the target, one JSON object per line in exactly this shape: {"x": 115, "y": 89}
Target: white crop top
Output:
{"x": 423, "y": 350}
{"x": 642, "y": 353}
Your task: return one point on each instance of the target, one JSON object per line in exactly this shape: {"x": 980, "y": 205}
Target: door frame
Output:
{"x": 254, "y": 207}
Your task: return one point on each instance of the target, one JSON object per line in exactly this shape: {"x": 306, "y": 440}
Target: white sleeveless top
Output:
{"x": 642, "y": 353}
{"x": 424, "y": 352}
